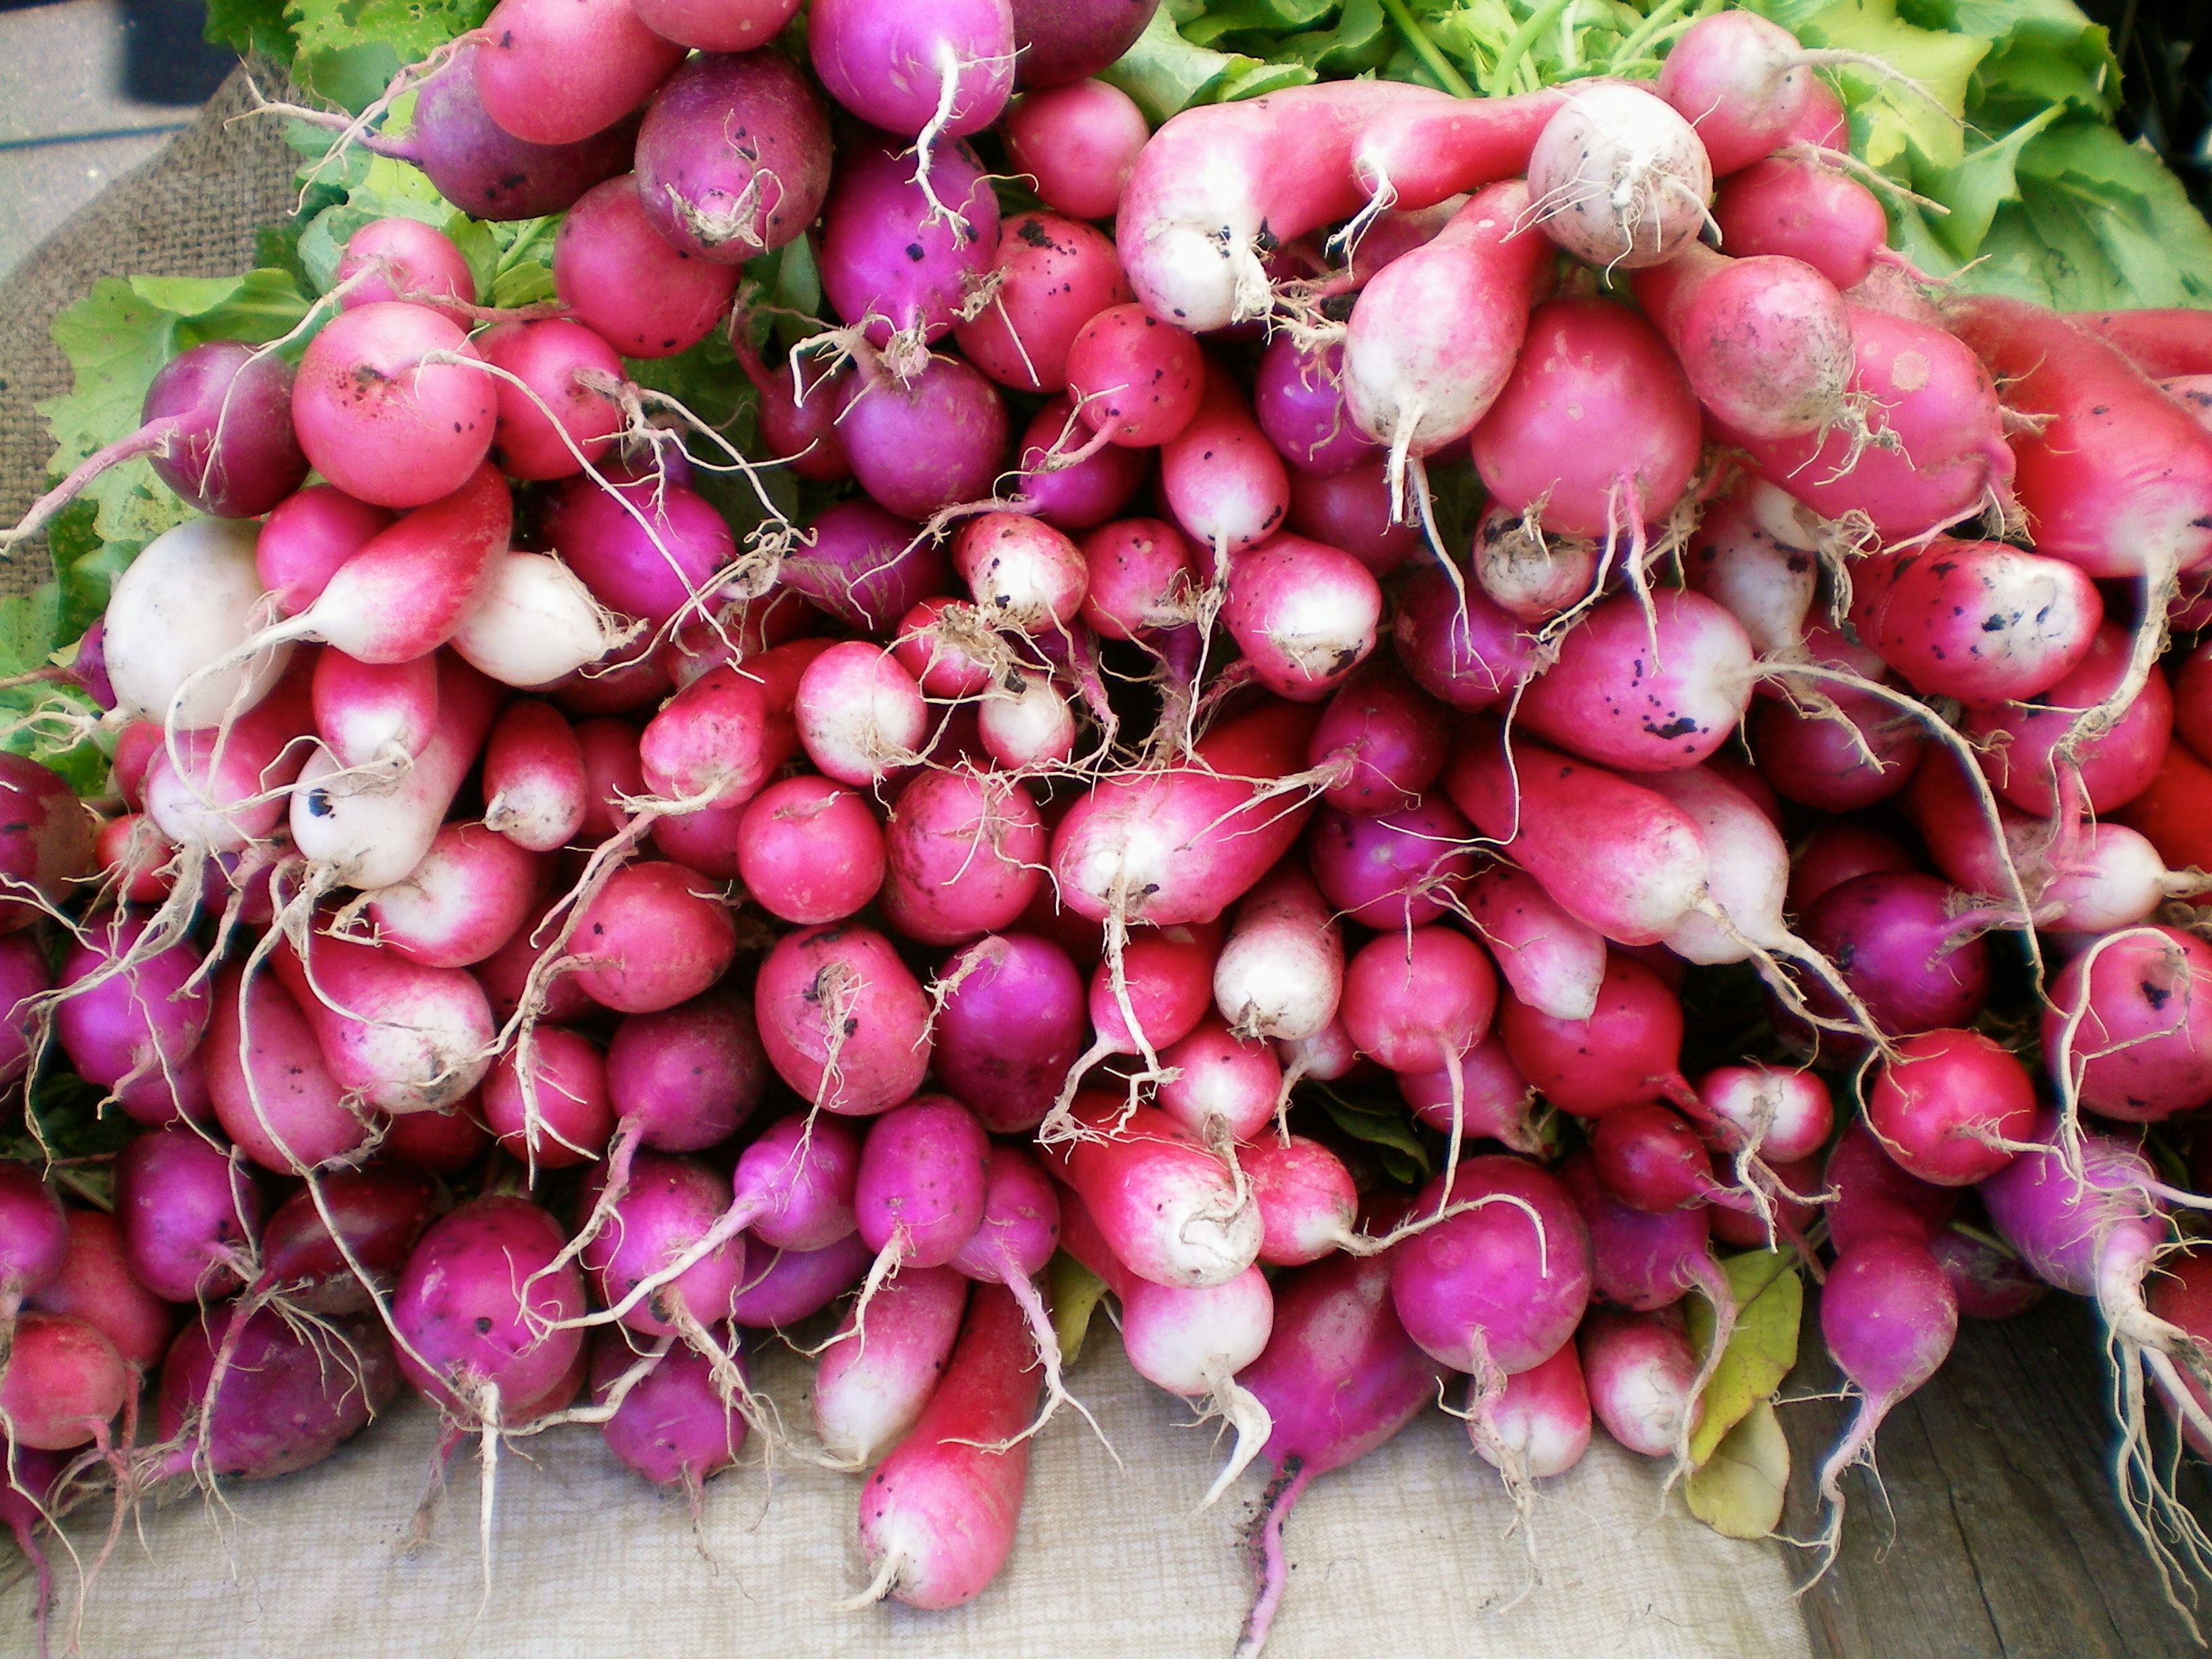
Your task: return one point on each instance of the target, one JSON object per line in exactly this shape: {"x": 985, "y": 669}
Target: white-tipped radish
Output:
{"x": 534, "y": 621}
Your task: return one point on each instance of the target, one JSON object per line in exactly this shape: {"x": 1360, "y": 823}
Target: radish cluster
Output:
{"x": 552, "y": 939}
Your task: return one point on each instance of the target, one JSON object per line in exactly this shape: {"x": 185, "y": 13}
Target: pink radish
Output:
{"x": 677, "y": 1425}
{"x": 1079, "y": 141}
{"x": 1308, "y": 1203}
{"x": 1944, "y": 1105}
{"x": 271, "y": 1091}
{"x": 1618, "y": 178}
{"x": 1628, "y": 1050}
{"x": 391, "y": 407}
{"x": 404, "y": 1036}
{"x": 2125, "y": 1033}
{"x": 885, "y": 1362}
{"x": 1193, "y": 1342}
{"x": 1010, "y": 1023}
{"x": 555, "y": 75}
{"x": 1168, "y": 1208}
{"x": 1889, "y": 1318}
{"x": 1642, "y": 1379}
{"x": 1553, "y": 962}
{"x": 1281, "y": 970}
{"x": 842, "y": 1020}
{"x": 1539, "y": 1425}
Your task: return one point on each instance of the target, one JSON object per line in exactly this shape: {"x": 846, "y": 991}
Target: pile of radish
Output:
{"x": 548, "y": 940}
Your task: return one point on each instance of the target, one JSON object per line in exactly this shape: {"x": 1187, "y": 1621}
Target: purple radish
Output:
{"x": 1010, "y": 1023}
{"x": 1888, "y": 1316}
{"x": 734, "y": 158}
{"x": 672, "y": 1425}
{"x": 189, "y": 1214}
{"x": 285, "y": 1396}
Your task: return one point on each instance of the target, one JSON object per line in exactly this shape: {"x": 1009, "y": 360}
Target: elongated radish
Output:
{"x": 890, "y": 1353}
{"x": 1193, "y": 1342}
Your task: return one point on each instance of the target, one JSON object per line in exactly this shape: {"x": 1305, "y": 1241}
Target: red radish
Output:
{"x": 390, "y": 407}
{"x": 1745, "y": 83}
{"x": 1648, "y": 687}
{"x": 650, "y": 552}
{"x": 1153, "y": 996}
{"x": 1388, "y": 740}
{"x": 1416, "y": 1001}
{"x": 1942, "y": 1106}
{"x": 36, "y": 1241}
{"x": 271, "y": 1091}
{"x": 1889, "y": 1318}
{"x": 1940, "y": 452}
{"x": 1170, "y": 1209}
{"x": 443, "y": 1143}
{"x": 796, "y": 1284}
{"x": 1628, "y": 1050}
{"x": 406, "y": 1037}
{"x": 411, "y": 261}
{"x": 885, "y": 1362}
{"x": 1611, "y": 853}
{"x": 336, "y": 1248}
{"x": 63, "y": 1386}
{"x": 1642, "y": 1379}
{"x": 627, "y": 283}
{"x": 1353, "y": 510}
{"x": 2093, "y": 740}
{"x": 669, "y": 1206}
{"x": 1133, "y": 379}
{"x": 1499, "y": 1284}
{"x": 271, "y": 1399}
{"x": 1023, "y": 573}
{"x": 188, "y": 1214}
{"x": 1222, "y": 1088}
{"x": 1764, "y": 341}
{"x": 673, "y": 1425}
{"x": 1554, "y": 962}
{"x": 938, "y": 1515}
{"x": 1432, "y": 338}
{"x": 370, "y": 713}
{"x": 1977, "y": 621}
{"x": 1308, "y": 1203}
{"x": 886, "y": 202}
{"x": 1595, "y": 432}
{"x": 686, "y": 1079}
{"x": 93, "y": 1283}
{"x": 2124, "y": 1034}
{"x": 1874, "y": 1196}
{"x": 1304, "y": 614}
{"x": 533, "y": 777}
{"x": 1219, "y": 183}
{"x": 1193, "y": 1342}
{"x": 860, "y": 714}
{"x": 1013, "y": 1245}
{"x": 545, "y": 1100}
{"x": 1799, "y": 207}
{"x": 1140, "y": 577}
{"x": 2160, "y": 341}
{"x": 223, "y": 790}
{"x": 1484, "y": 1093}
{"x": 843, "y": 1022}
{"x": 734, "y": 158}
{"x": 965, "y": 850}
{"x": 1463, "y": 651}
{"x": 1010, "y": 1023}
{"x": 809, "y": 850}
{"x": 1784, "y": 1116}
{"x": 943, "y": 75}
{"x": 1338, "y": 1376}
{"x": 1026, "y": 724}
{"x": 554, "y": 75}
{"x": 307, "y": 537}
{"x": 1051, "y": 276}
{"x": 559, "y": 418}
{"x": 1618, "y": 179}
{"x": 937, "y": 439}
{"x": 1538, "y": 1426}
{"x": 1078, "y": 142}
{"x": 1835, "y": 766}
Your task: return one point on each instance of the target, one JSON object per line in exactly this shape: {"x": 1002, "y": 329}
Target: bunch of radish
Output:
{"x": 546, "y": 940}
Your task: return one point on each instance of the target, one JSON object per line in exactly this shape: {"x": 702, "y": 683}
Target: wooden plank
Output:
{"x": 2001, "y": 1536}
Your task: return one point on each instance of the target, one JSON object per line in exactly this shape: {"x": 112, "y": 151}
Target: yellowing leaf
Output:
{"x": 1770, "y": 1301}
{"x": 1739, "y": 1492}
{"x": 1896, "y": 116}
{"x": 1076, "y": 1292}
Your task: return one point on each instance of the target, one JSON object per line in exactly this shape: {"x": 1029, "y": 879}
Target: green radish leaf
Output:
{"x": 1076, "y": 1292}
{"x": 1888, "y": 118}
{"x": 1383, "y": 1125}
{"x": 1770, "y": 1301}
{"x": 1738, "y": 1491}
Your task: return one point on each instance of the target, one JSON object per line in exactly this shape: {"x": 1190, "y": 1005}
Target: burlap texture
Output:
{"x": 1405, "y": 1554}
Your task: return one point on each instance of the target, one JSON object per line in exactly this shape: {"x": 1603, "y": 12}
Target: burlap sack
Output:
{"x": 1407, "y": 1554}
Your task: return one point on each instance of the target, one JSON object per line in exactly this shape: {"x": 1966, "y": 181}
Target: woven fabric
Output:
{"x": 1406, "y": 1553}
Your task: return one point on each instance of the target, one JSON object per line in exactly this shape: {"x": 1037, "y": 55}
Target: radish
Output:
{"x": 271, "y": 1092}
{"x": 1747, "y": 84}
{"x": 884, "y": 203}
{"x": 1431, "y": 339}
{"x": 188, "y": 1212}
{"x": 1459, "y": 646}
{"x": 337, "y": 1247}
{"x": 934, "y": 441}
{"x": 1783, "y": 1116}
{"x": 1618, "y": 178}
{"x": 1554, "y": 963}
{"x": 2160, "y": 341}
{"x": 1193, "y": 1342}
{"x": 885, "y": 1362}
{"x": 390, "y": 407}
{"x": 554, "y": 74}
{"x": 627, "y": 283}
{"x": 1977, "y": 621}
{"x": 484, "y": 170}
{"x": 466, "y": 899}
{"x": 796, "y": 1284}
{"x": 1764, "y": 341}
{"x": 93, "y": 1282}
{"x": 1642, "y": 1379}
{"x": 65, "y": 1385}
{"x": 1415, "y": 1001}
{"x": 1013, "y": 1245}
{"x": 686, "y": 1077}
{"x": 1907, "y": 963}
{"x": 943, "y": 77}
{"x": 809, "y": 850}
{"x": 1595, "y": 431}
{"x": 1353, "y": 510}
{"x": 1061, "y": 41}
{"x": 1500, "y": 1282}
{"x": 1169, "y": 1209}
{"x": 1799, "y": 207}
{"x": 860, "y": 714}
{"x": 1223, "y": 482}
{"x": 129, "y": 1016}
{"x": 1757, "y": 550}
{"x": 1650, "y": 687}
{"x": 1078, "y": 142}
{"x": 652, "y": 553}
{"x": 545, "y": 1101}
{"x": 410, "y": 260}
{"x": 1876, "y": 1198}
{"x": 1308, "y": 1203}
{"x": 1388, "y": 740}
{"x": 1532, "y": 576}
{"x": 964, "y": 850}
{"x": 35, "y": 1241}
{"x": 1304, "y": 614}
{"x": 1027, "y": 725}
{"x": 1538, "y": 1425}
{"x": 1140, "y": 577}
{"x": 865, "y": 566}
{"x": 1068, "y": 493}
{"x": 668, "y": 1206}
{"x": 2093, "y": 739}
{"x": 272, "y": 1398}
{"x": 1220, "y": 1087}
{"x": 1133, "y": 380}
{"x": 843, "y": 1022}
{"x": 371, "y": 712}
{"x": 184, "y": 607}
{"x": 1991, "y": 1282}
{"x": 734, "y": 158}
{"x": 47, "y": 840}
{"x": 1835, "y": 765}
{"x": 1484, "y": 1094}
{"x": 534, "y": 622}
{"x": 1022, "y": 572}
{"x": 672, "y": 1424}
{"x": 1627, "y": 1051}
{"x": 1218, "y": 183}
{"x": 1612, "y": 853}
{"x": 1889, "y": 1318}
{"x": 1010, "y": 1022}
{"x": 1840, "y": 848}
{"x": 1338, "y": 1376}
{"x": 1051, "y": 275}
{"x": 223, "y": 790}
{"x": 405, "y": 1037}
{"x": 1946, "y": 1104}
{"x": 938, "y": 1515}
{"x": 1281, "y": 970}
{"x": 1298, "y": 399}
{"x": 2124, "y": 1032}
